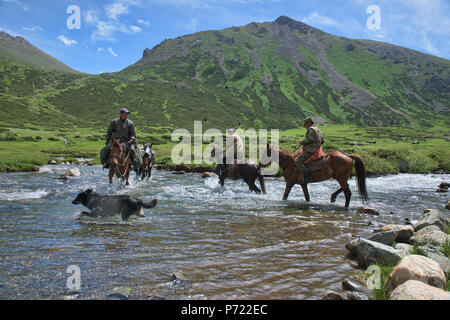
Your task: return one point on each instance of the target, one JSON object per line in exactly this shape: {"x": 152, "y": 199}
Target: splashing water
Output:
{"x": 228, "y": 242}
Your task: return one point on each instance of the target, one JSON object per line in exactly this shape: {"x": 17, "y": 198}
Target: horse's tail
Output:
{"x": 360, "y": 167}
{"x": 261, "y": 179}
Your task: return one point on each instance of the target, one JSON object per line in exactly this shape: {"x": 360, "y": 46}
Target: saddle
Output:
{"x": 317, "y": 162}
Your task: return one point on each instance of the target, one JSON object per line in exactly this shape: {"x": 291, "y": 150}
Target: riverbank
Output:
{"x": 385, "y": 150}
{"x": 401, "y": 262}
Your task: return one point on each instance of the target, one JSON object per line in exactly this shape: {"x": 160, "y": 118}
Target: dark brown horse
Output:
{"x": 337, "y": 165}
{"x": 247, "y": 171}
{"x": 119, "y": 161}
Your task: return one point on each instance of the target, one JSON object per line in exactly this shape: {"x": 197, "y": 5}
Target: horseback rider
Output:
{"x": 121, "y": 127}
{"x": 313, "y": 141}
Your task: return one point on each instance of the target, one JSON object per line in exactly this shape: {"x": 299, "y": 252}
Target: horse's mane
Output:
{"x": 282, "y": 151}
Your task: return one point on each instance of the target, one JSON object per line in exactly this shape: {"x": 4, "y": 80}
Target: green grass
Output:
{"x": 32, "y": 145}
{"x": 446, "y": 248}
{"x": 416, "y": 249}
{"x": 385, "y": 271}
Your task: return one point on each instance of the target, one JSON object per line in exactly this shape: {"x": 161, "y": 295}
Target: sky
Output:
{"x": 109, "y": 35}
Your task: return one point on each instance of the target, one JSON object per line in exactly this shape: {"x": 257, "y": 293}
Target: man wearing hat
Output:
{"x": 313, "y": 141}
{"x": 121, "y": 127}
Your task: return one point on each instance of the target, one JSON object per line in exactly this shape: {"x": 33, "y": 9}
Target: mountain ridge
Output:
{"x": 269, "y": 74}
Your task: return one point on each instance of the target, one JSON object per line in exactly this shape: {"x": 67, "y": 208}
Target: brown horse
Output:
{"x": 338, "y": 166}
{"x": 119, "y": 161}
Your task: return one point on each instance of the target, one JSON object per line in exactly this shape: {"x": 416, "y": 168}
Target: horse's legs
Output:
{"x": 289, "y": 186}
{"x": 334, "y": 195}
{"x": 223, "y": 174}
{"x": 348, "y": 194}
{"x": 306, "y": 192}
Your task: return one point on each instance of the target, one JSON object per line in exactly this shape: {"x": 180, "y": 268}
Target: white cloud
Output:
{"x": 316, "y": 19}
{"x": 116, "y": 9}
{"x": 100, "y": 50}
{"x": 110, "y": 50}
{"x": 19, "y": 3}
{"x": 33, "y": 28}
{"x": 135, "y": 29}
{"x": 144, "y": 22}
{"x": 66, "y": 41}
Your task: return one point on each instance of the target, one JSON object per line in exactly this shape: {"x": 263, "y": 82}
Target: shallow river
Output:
{"x": 228, "y": 243}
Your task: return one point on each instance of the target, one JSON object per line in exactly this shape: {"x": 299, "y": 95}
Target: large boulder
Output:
{"x": 434, "y": 253}
{"x": 370, "y": 252}
{"x": 331, "y": 295}
{"x": 404, "y": 249}
{"x": 402, "y": 233}
{"x": 417, "y": 290}
{"x": 384, "y": 237}
{"x": 415, "y": 267}
{"x": 437, "y": 238}
{"x": 432, "y": 217}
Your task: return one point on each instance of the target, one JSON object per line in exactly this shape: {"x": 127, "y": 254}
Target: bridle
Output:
{"x": 119, "y": 157}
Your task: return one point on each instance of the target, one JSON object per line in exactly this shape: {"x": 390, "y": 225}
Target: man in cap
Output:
{"x": 121, "y": 127}
{"x": 313, "y": 141}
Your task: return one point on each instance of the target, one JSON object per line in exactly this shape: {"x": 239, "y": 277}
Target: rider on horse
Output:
{"x": 312, "y": 143}
{"x": 123, "y": 128}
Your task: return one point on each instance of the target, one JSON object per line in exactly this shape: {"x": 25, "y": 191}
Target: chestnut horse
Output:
{"x": 338, "y": 166}
{"x": 119, "y": 161}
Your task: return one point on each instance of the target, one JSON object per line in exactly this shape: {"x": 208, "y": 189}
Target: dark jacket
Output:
{"x": 121, "y": 128}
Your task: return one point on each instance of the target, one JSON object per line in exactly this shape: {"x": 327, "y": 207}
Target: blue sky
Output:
{"x": 113, "y": 33}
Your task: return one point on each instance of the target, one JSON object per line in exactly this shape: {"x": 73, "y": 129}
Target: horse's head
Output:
{"x": 115, "y": 151}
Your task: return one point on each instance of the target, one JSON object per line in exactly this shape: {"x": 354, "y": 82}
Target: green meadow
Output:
{"x": 386, "y": 150}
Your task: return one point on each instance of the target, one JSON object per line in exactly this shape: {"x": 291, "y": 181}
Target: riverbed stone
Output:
{"x": 404, "y": 249}
{"x": 415, "y": 267}
{"x": 370, "y": 252}
{"x": 331, "y": 295}
{"x": 437, "y": 238}
{"x": 428, "y": 229}
{"x": 354, "y": 285}
{"x": 385, "y": 237}
{"x": 74, "y": 172}
{"x": 417, "y": 290}
{"x": 447, "y": 206}
{"x": 437, "y": 255}
{"x": 371, "y": 211}
{"x": 53, "y": 162}
{"x": 206, "y": 175}
{"x": 432, "y": 217}
{"x": 403, "y": 233}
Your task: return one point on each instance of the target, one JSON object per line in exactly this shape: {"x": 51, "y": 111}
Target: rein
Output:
{"x": 116, "y": 169}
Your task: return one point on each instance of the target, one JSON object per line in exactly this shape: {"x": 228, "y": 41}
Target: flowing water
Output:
{"x": 228, "y": 243}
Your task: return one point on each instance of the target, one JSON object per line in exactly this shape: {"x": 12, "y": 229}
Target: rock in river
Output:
{"x": 403, "y": 233}
{"x": 331, "y": 295}
{"x": 415, "y": 267}
{"x": 436, "y": 254}
{"x": 384, "y": 237}
{"x": 417, "y": 290}
{"x": 74, "y": 172}
{"x": 369, "y": 252}
{"x": 437, "y": 238}
{"x": 371, "y": 211}
{"x": 432, "y": 217}
{"x": 353, "y": 285}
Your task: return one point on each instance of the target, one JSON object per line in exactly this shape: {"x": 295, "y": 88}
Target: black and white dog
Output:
{"x": 109, "y": 205}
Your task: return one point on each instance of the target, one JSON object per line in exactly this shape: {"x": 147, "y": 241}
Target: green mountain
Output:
{"x": 271, "y": 74}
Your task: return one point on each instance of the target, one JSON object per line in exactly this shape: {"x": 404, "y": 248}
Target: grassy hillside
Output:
{"x": 18, "y": 50}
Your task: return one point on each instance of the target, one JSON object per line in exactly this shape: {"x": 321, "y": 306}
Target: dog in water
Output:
{"x": 106, "y": 205}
